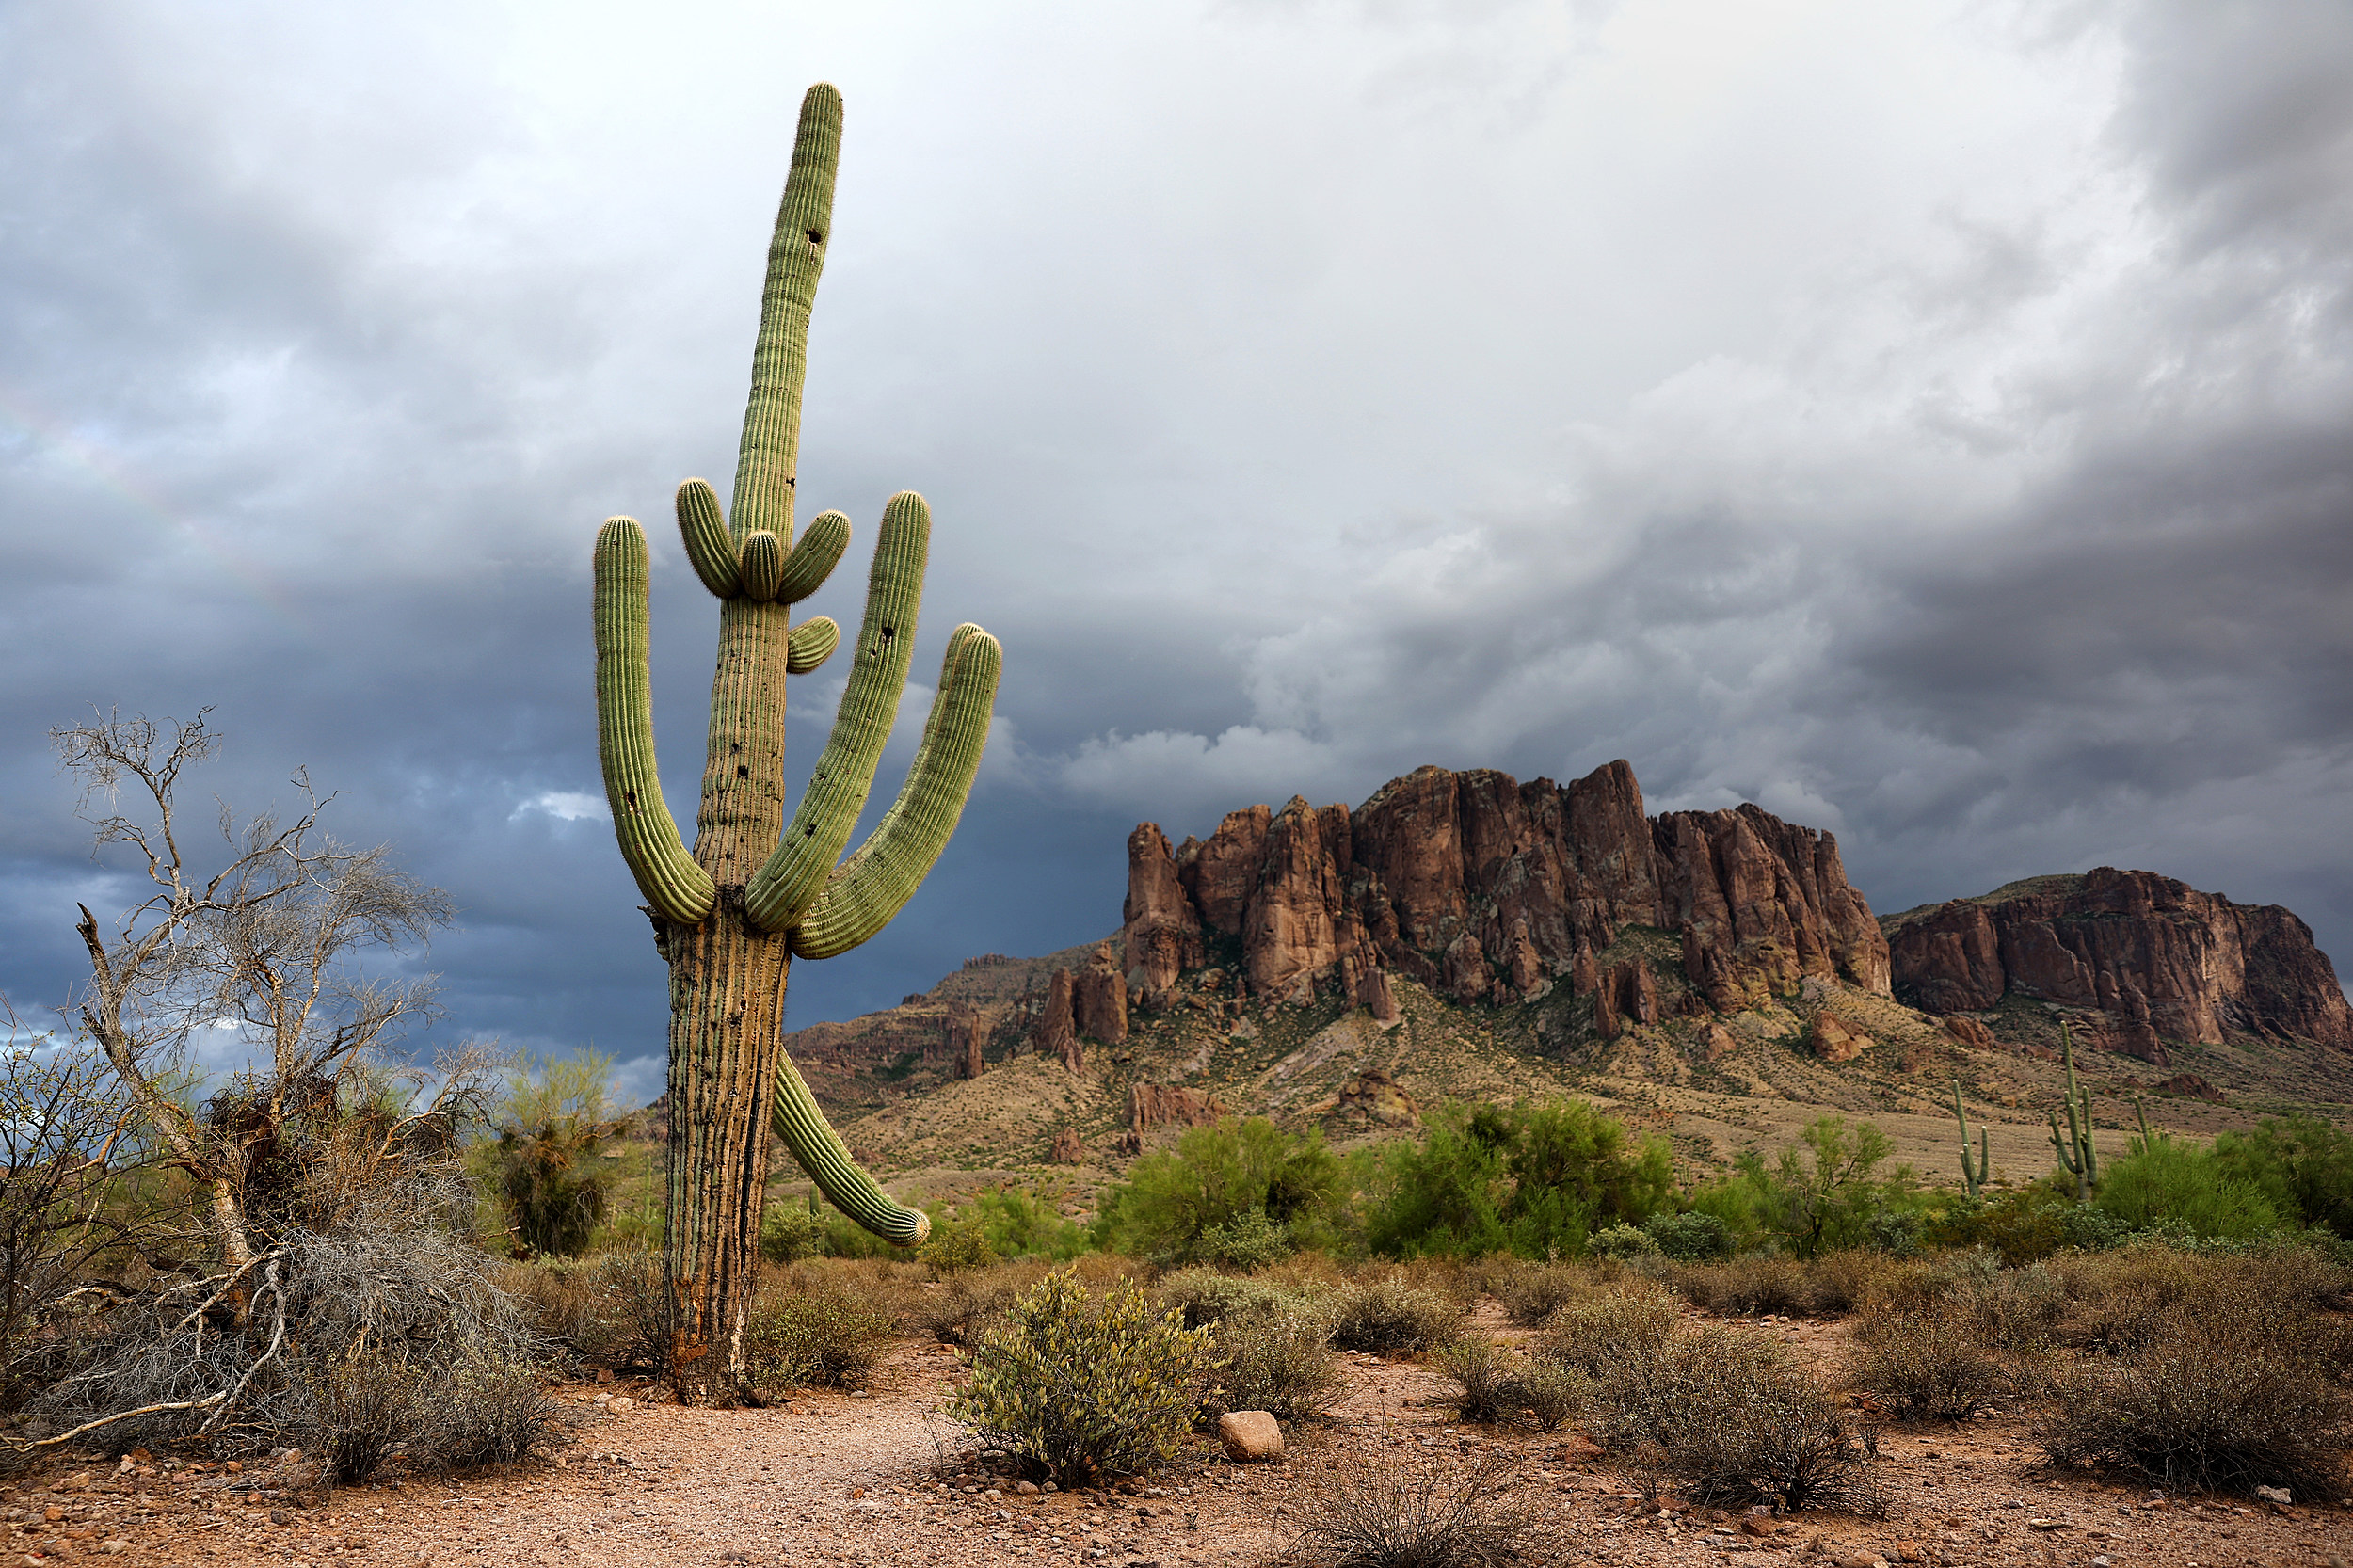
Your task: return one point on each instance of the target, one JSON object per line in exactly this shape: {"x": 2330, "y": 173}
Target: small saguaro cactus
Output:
{"x": 1973, "y": 1176}
{"x": 2076, "y": 1153}
{"x": 757, "y": 892}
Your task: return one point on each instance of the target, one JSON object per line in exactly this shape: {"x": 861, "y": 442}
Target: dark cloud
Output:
{"x": 1930, "y": 426}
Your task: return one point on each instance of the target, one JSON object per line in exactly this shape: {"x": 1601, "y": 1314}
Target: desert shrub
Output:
{"x": 1737, "y": 1286}
{"x": 2214, "y": 1403}
{"x": 1724, "y": 1414}
{"x": 2187, "y": 1189}
{"x": 2021, "y": 1227}
{"x": 544, "y": 1163}
{"x": 1215, "y": 1177}
{"x": 1279, "y": 1362}
{"x": 1551, "y": 1393}
{"x": 2018, "y": 1311}
{"x": 957, "y": 1247}
{"x": 1081, "y": 1385}
{"x": 1385, "y": 1314}
{"x": 825, "y": 1338}
{"x": 1691, "y": 1237}
{"x": 485, "y": 1412}
{"x": 1411, "y": 1511}
{"x": 1205, "y": 1295}
{"x": 1838, "y": 1282}
{"x": 1011, "y": 1222}
{"x": 1486, "y": 1374}
{"x": 1607, "y": 1328}
{"x": 2302, "y": 1166}
{"x": 1535, "y": 1181}
{"x": 955, "y": 1310}
{"x": 792, "y": 1230}
{"x": 1924, "y": 1365}
{"x": 1621, "y": 1241}
{"x": 609, "y": 1311}
{"x": 360, "y": 1414}
{"x": 1531, "y": 1294}
{"x": 1248, "y": 1240}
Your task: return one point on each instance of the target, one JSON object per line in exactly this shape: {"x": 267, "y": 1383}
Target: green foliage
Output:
{"x": 1822, "y": 1193}
{"x": 1017, "y": 1223}
{"x": 1084, "y": 1386}
{"x": 2302, "y": 1166}
{"x": 1691, "y": 1237}
{"x": 956, "y": 1248}
{"x": 1611, "y": 1328}
{"x": 2187, "y": 1190}
{"x": 552, "y": 1126}
{"x": 791, "y": 1231}
{"x": 1182, "y": 1205}
{"x": 825, "y": 1338}
{"x": 1535, "y": 1181}
{"x": 1623, "y": 1241}
{"x": 1279, "y": 1362}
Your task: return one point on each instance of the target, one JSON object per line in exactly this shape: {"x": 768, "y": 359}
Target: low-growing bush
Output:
{"x": 1608, "y": 1328}
{"x": 486, "y": 1412}
{"x": 1384, "y": 1315}
{"x": 1411, "y": 1511}
{"x": 360, "y": 1414}
{"x": 1623, "y": 1241}
{"x": 1205, "y": 1295}
{"x": 825, "y": 1338}
{"x": 1733, "y": 1423}
{"x": 1551, "y": 1393}
{"x": 1925, "y": 1364}
{"x": 2212, "y": 1404}
{"x": 1691, "y": 1237}
{"x": 955, "y": 1310}
{"x": 1487, "y": 1374}
{"x": 1279, "y": 1362}
{"x": 1531, "y": 1294}
{"x": 1838, "y": 1282}
{"x": 1740, "y": 1285}
{"x": 792, "y": 1231}
{"x": 1181, "y": 1204}
{"x": 1081, "y": 1387}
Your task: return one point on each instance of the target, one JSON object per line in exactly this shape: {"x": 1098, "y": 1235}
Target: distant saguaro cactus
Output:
{"x": 756, "y": 892}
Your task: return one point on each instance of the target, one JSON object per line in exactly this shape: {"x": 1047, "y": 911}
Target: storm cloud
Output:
{"x": 1934, "y": 422}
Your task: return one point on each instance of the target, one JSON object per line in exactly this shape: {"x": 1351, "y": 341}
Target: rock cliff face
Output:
{"x": 1487, "y": 890}
{"x": 2156, "y": 959}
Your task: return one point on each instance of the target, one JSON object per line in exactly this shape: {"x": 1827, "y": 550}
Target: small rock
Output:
{"x": 1250, "y": 1435}
{"x": 1025, "y": 1489}
{"x": 1049, "y": 1486}
{"x": 114, "y": 1546}
{"x": 279, "y": 1516}
{"x": 235, "y": 1466}
{"x": 2274, "y": 1495}
{"x": 1907, "y": 1550}
{"x": 78, "y": 1481}
{"x": 620, "y": 1402}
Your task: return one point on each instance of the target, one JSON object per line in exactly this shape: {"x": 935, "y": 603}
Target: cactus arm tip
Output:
{"x": 814, "y": 557}
{"x": 811, "y": 643}
{"x": 845, "y": 1183}
{"x": 866, "y": 891}
{"x": 673, "y": 885}
{"x": 710, "y": 548}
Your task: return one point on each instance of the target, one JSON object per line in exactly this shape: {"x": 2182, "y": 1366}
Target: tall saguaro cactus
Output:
{"x": 756, "y": 892}
{"x": 2076, "y": 1153}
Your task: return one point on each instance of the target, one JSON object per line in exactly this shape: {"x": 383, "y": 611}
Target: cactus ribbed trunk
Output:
{"x": 727, "y": 1004}
{"x": 729, "y": 917}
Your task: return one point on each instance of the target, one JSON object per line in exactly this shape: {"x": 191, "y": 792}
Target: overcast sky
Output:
{"x": 1934, "y": 422}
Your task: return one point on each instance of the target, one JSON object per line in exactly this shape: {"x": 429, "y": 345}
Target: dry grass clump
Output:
{"x": 359, "y": 1415}
{"x": 1925, "y": 1364}
{"x": 1740, "y": 1286}
{"x": 1205, "y": 1295}
{"x": 1733, "y": 1423}
{"x": 1497, "y": 1384}
{"x": 610, "y": 1311}
{"x": 1596, "y": 1332}
{"x": 822, "y": 1335}
{"x": 1278, "y": 1361}
{"x": 1387, "y": 1314}
{"x": 2216, "y": 1402}
{"x": 1533, "y": 1293}
{"x": 1405, "y": 1509}
{"x": 1839, "y": 1282}
{"x": 955, "y": 1310}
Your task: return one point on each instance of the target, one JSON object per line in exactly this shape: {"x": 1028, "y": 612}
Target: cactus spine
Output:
{"x": 2075, "y": 1152}
{"x": 729, "y": 917}
{"x": 1973, "y": 1176}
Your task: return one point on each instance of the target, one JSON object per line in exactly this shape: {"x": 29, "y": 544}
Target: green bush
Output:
{"x": 1530, "y": 1294}
{"x": 1623, "y": 1241}
{"x": 544, "y": 1164}
{"x": 957, "y": 1248}
{"x": 1691, "y": 1237}
{"x": 2302, "y": 1166}
{"x": 1534, "y": 1180}
{"x": 1823, "y": 1194}
{"x": 815, "y": 1338}
{"x": 2185, "y": 1189}
{"x": 1082, "y": 1387}
{"x": 1204, "y": 1295}
{"x": 1384, "y": 1315}
{"x": 1246, "y": 1185}
{"x": 792, "y": 1230}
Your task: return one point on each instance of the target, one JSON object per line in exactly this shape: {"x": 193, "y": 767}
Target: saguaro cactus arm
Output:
{"x": 811, "y": 643}
{"x": 793, "y": 876}
{"x": 827, "y": 1159}
{"x": 864, "y": 892}
{"x": 710, "y": 548}
{"x": 768, "y": 458}
{"x": 677, "y": 888}
{"x": 1973, "y": 1176}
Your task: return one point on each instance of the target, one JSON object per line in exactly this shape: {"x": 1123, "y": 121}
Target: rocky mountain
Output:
{"x": 1489, "y": 890}
{"x": 1466, "y": 935}
{"x": 2147, "y": 959}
